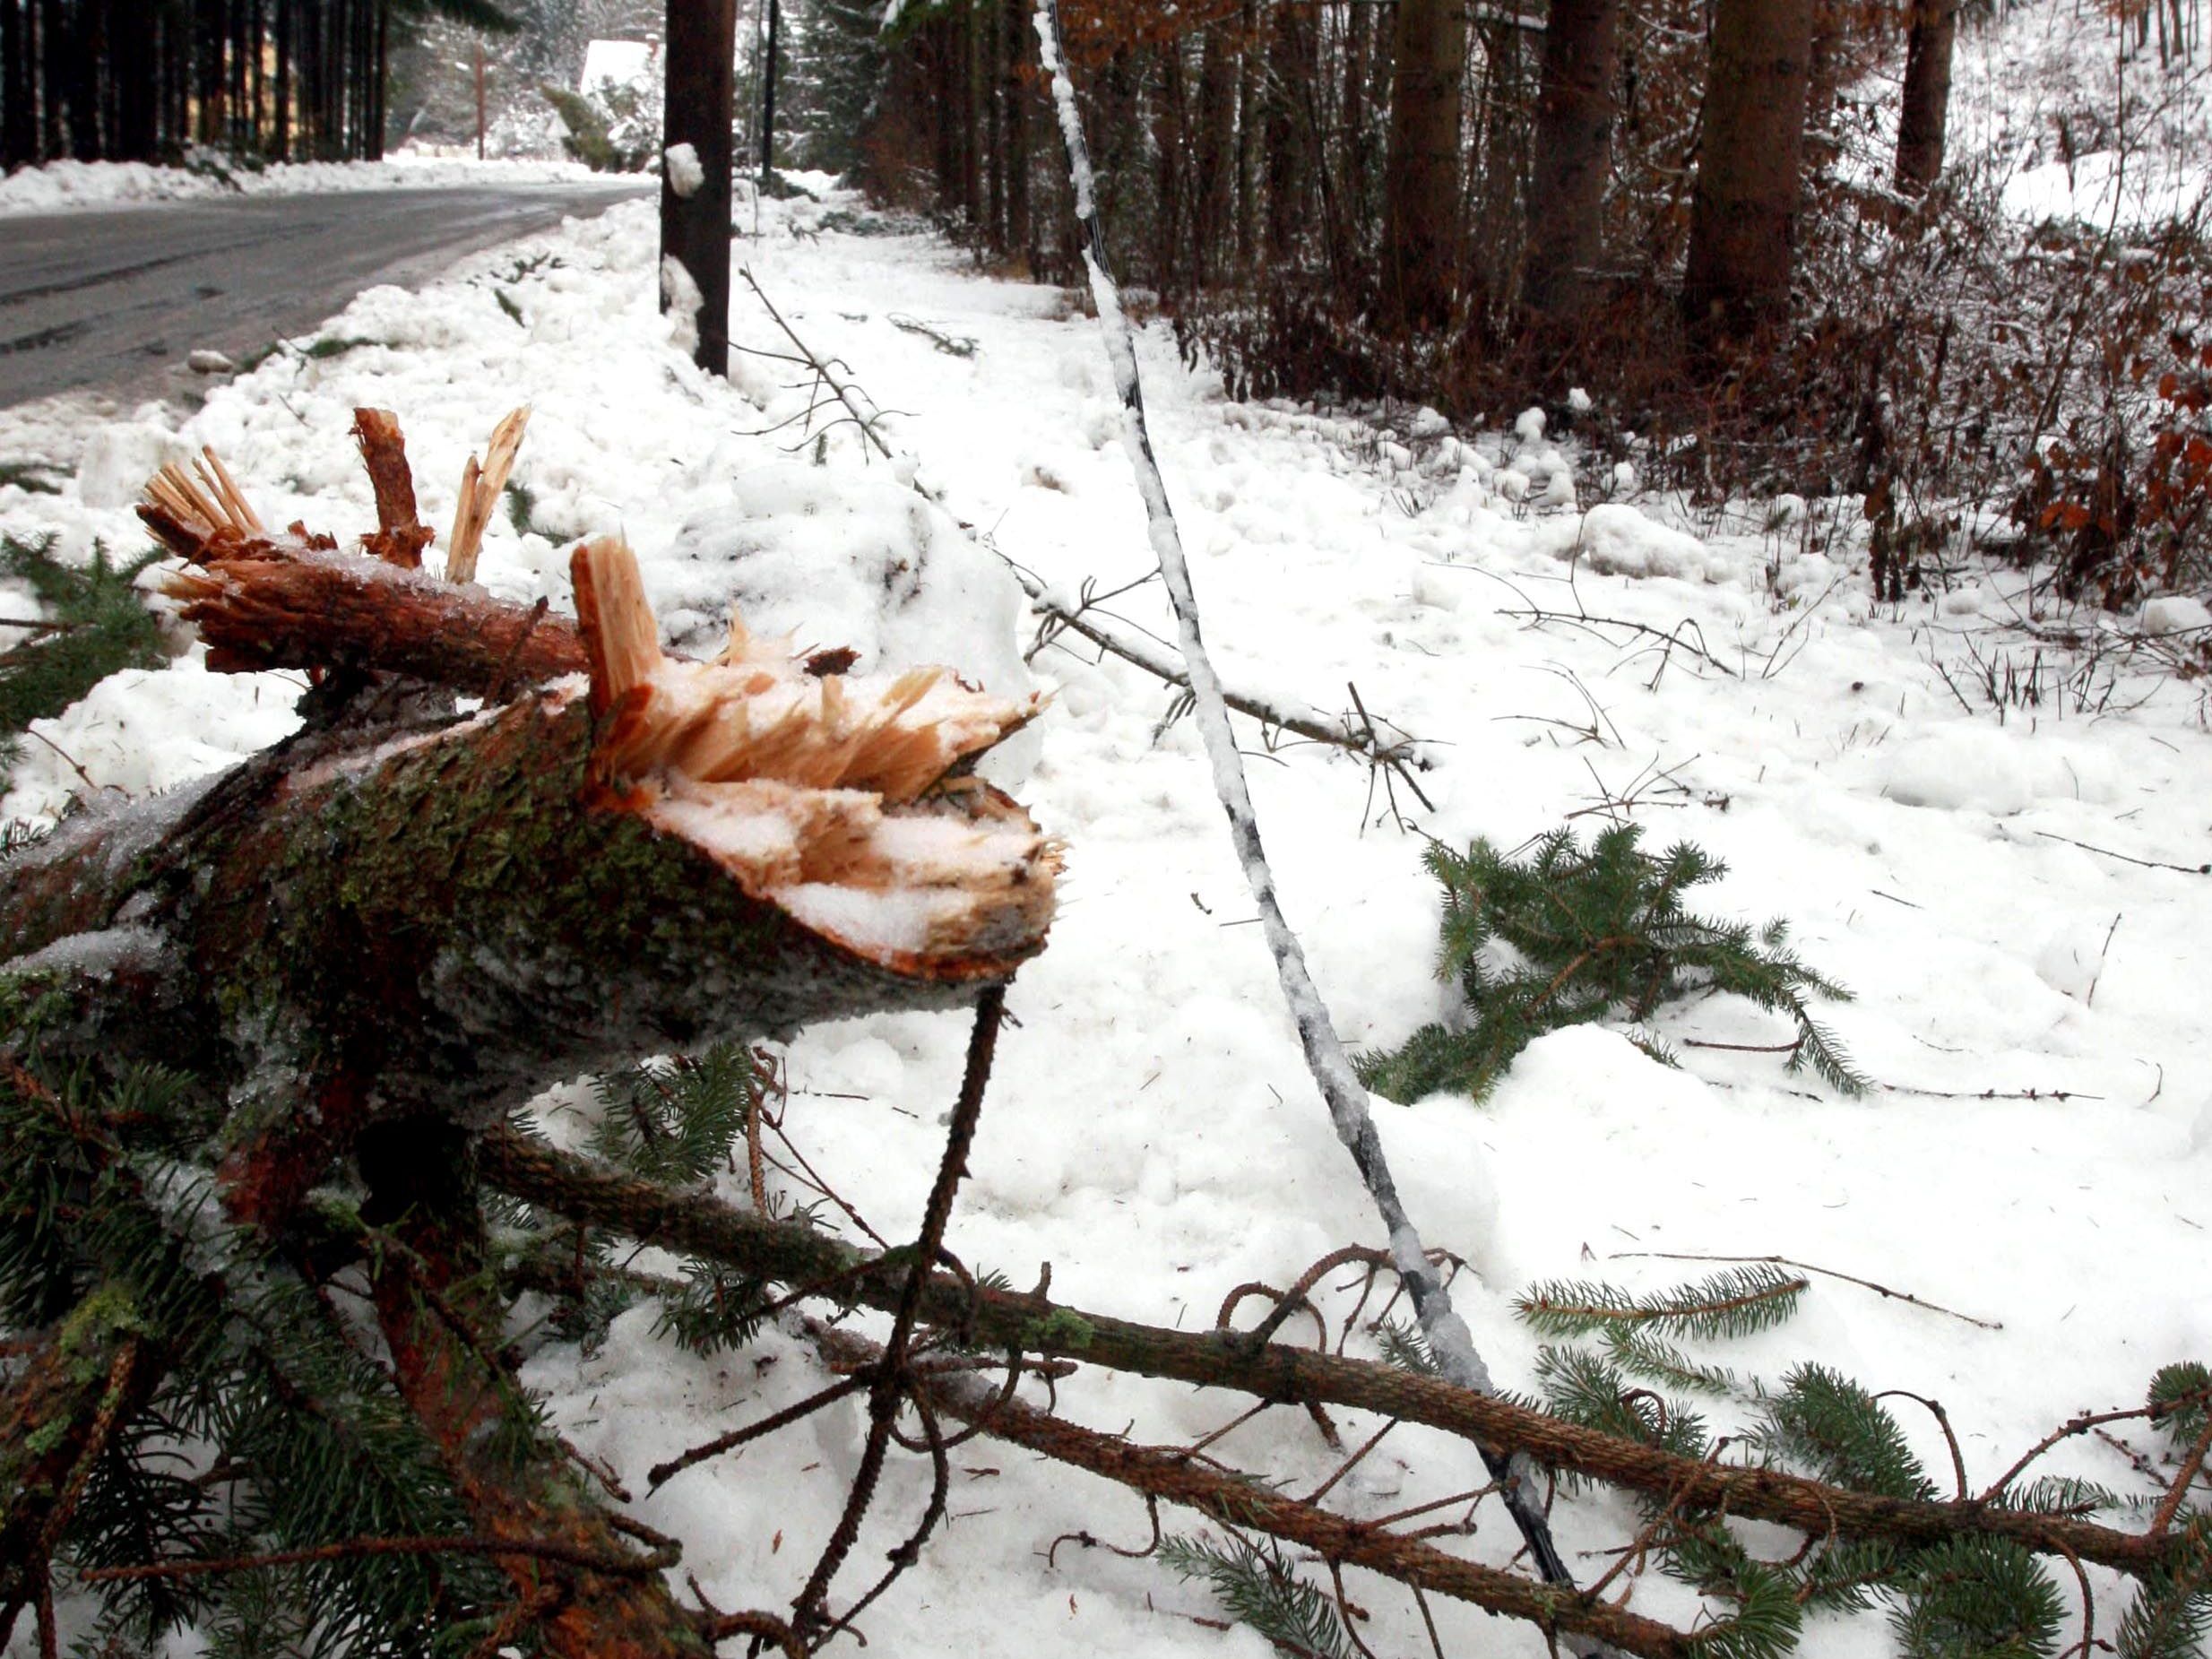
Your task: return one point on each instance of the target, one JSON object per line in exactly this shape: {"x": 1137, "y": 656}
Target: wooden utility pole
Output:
{"x": 479, "y": 100}
{"x": 701, "y": 54}
{"x": 768, "y": 92}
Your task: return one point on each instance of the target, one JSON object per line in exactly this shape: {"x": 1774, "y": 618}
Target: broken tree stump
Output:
{"x": 406, "y": 911}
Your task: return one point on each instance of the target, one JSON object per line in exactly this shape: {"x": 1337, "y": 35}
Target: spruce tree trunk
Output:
{"x": 1247, "y": 135}
{"x": 1420, "y": 176}
{"x": 1017, "y": 92}
{"x": 1291, "y": 62}
{"x": 1214, "y": 236}
{"x": 1170, "y": 153}
{"x": 1357, "y": 170}
{"x": 768, "y": 91}
{"x": 972, "y": 124}
{"x": 54, "y": 76}
{"x": 19, "y": 139}
{"x": 1573, "y": 146}
{"x": 284, "y": 34}
{"x": 991, "y": 89}
{"x": 1927, "y": 94}
{"x": 137, "y": 94}
{"x": 1743, "y": 212}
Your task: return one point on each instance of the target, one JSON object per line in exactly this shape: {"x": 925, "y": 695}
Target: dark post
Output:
{"x": 479, "y": 100}
{"x": 768, "y": 92}
{"x": 694, "y": 230}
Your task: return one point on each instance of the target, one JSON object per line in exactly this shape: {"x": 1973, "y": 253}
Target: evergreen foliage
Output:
{"x": 133, "y": 1230}
{"x": 1616, "y": 1369}
{"x": 1825, "y": 1424}
{"x": 675, "y": 1122}
{"x": 1569, "y": 936}
{"x": 609, "y": 131}
{"x": 2171, "y": 1617}
{"x": 1738, "y": 1302}
{"x": 1988, "y": 1598}
{"x": 274, "y": 1426}
{"x": 2180, "y": 1397}
{"x": 1261, "y": 1587}
{"x": 101, "y": 626}
{"x": 833, "y": 77}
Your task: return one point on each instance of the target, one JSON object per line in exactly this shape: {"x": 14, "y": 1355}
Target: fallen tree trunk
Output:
{"x": 404, "y": 912}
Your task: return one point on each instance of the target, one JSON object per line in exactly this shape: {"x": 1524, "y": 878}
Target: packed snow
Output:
{"x": 1989, "y": 876}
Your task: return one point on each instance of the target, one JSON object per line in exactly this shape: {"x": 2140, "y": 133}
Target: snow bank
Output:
{"x": 60, "y": 186}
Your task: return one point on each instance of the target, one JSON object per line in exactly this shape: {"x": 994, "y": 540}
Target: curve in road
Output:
{"x": 116, "y": 299}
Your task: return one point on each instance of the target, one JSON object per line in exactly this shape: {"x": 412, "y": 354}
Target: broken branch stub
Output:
{"x": 837, "y": 798}
{"x": 400, "y": 535}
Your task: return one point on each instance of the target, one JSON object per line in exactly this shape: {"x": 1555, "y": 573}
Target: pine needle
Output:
{"x": 1737, "y": 1302}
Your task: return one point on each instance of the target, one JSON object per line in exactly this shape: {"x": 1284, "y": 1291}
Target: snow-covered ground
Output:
{"x": 60, "y": 186}
{"x": 2083, "y": 120}
{"x": 2037, "y": 1154}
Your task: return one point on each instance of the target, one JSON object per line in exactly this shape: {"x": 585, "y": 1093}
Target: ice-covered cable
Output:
{"x": 1449, "y": 1340}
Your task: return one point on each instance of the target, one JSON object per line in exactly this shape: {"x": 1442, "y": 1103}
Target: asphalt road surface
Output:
{"x": 116, "y": 299}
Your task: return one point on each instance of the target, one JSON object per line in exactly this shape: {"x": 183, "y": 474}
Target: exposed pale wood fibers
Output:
{"x": 479, "y": 493}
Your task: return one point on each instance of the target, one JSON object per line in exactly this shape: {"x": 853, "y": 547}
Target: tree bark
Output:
{"x": 403, "y": 912}
{"x": 1743, "y": 212}
{"x": 1017, "y": 92}
{"x": 768, "y": 89}
{"x": 1290, "y": 63}
{"x": 1572, "y": 145}
{"x": 1420, "y": 175}
{"x": 422, "y": 1291}
{"x": 19, "y": 131}
{"x": 137, "y": 97}
{"x": 694, "y": 230}
{"x": 1927, "y": 94}
{"x": 1214, "y": 236}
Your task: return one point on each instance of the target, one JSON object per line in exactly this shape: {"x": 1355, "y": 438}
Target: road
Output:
{"x": 116, "y": 299}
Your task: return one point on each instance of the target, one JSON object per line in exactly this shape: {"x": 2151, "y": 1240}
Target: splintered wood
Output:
{"x": 479, "y": 493}
{"x": 400, "y": 536}
{"x": 844, "y": 802}
{"x": 836, "y": 797}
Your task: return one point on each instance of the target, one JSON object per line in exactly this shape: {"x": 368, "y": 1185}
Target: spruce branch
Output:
{"x": 1570, "y": 935}
{"x": 993, "y": 1317}
{"x": 1738, "y": 1302}
{"x": 1259, "y": 1586}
